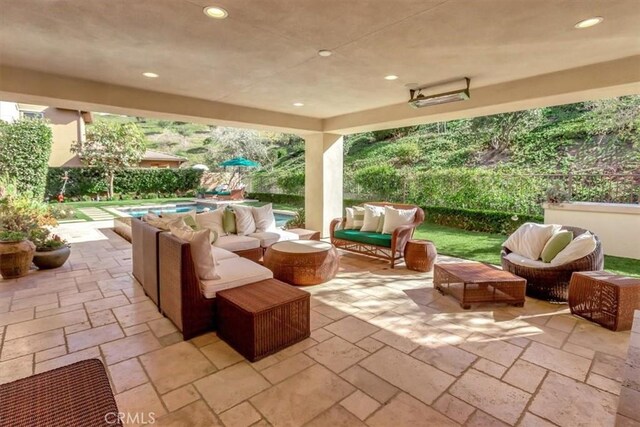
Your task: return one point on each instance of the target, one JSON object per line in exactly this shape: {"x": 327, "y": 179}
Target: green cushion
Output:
{"x": 224, "y": 193}
{"x": 188, "y": 219}
{"x": 556, "y": 243}
{"x": 369, "y": 237}
{"x": 229, "y": 221}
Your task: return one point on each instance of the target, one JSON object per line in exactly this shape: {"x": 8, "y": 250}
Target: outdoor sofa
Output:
{"x": 146, "y": 251}
{"x": 385, "y": 246}
{"x": 547, "y": 281}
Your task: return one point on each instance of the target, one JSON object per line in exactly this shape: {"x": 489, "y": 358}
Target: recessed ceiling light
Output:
{"x": 215, "y": 12}
{"x": 586, "y": 23}
{"x": 391, "y": 77}
{"x": 150, "y": 75}
{"x": 298, "y": 104}
{"x": 325, "y": 53}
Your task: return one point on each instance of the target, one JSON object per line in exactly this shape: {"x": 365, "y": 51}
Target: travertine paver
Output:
{"x": 386, "y": 349}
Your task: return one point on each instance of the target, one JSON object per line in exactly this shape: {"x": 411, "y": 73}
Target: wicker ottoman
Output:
{"x": 604, "y": 298}
{"x": 302, "y": 262}
{"x": 262, "y": 318}
{"x": 419, "y": 255}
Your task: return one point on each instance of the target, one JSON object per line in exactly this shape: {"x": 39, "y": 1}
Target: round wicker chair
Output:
{"x": 552, "y": 284}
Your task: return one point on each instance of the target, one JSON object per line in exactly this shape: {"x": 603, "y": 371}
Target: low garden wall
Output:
{"x": 617, "y": 225}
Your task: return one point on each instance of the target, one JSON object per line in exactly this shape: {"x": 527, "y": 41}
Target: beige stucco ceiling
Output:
{"x": 264, "y": 55}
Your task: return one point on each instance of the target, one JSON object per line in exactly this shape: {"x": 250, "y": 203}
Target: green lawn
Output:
{"x": 112, "y": 203}
{"x": 485, "y": 247}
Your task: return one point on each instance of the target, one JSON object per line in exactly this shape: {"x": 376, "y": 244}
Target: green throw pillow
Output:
{"x": 229, "y": 221}
{"x": 188, "y": 219}
{"x": 556, "y": 244}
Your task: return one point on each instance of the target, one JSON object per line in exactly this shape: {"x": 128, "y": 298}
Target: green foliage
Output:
{"x": 292, "y": 182}
{"x": 12, "y": 236}
{"x": 20, "y": 212}
{"x": 284, "y": 199}
{"x": 383, "y": 180}
{"x": 89, "y": 181}
{"x": 25, "y": 147}
{"x": 111, "y": 147}
{"x": 478, "y": 220}
{"x": 298, "y": 221}
{"x": 45, "y": 240}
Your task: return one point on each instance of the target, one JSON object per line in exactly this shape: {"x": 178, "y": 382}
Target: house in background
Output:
{"x": 67, "y": 127}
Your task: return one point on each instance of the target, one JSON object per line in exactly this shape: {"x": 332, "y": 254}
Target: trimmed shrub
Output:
{"x": 158, "y": 182}
{"x": 477, "y": 220}
{"x": 383, "y": 180}
{"x": 287, "y": 199}
{"x": 25, "y": 147}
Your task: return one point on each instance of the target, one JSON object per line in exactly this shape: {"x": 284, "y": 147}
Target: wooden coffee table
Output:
{"x": 302, "y": 262}
{"x": 474, "y": 282}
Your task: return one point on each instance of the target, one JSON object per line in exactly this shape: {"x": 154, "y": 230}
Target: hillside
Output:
{"x": 601, "y": 136}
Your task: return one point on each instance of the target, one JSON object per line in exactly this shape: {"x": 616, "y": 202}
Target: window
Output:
{"x": 32, "y": 114}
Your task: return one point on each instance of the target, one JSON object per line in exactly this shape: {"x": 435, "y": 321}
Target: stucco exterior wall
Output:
{"x": 67, "y": 127}
{"x": 617, "y": 225}
{"x": 9, "y": 111}
{"x": 159, "y": 164}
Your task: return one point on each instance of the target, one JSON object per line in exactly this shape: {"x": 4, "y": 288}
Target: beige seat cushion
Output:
{"x": 236, "y": 243}
{"x": 526, "y": 262}
{"x": 220, "y": 254}
{"x": 268, "y": 238}
{"x": 234, "y": 272}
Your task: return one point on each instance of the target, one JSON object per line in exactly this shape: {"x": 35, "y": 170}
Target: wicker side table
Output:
{"x": 420, "y": 255}
{"x": 302, "y": 262}
{"x": 262, "y": 318}
{"x": 604, "y": 298}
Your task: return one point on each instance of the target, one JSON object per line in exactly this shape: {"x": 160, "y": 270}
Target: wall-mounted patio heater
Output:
{"x": 441, "y": 94}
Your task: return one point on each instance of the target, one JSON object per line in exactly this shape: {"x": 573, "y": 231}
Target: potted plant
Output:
{"x": 16, "y": 253}
{"x": 20, "y": 214}
{"x": 52, "y": 251}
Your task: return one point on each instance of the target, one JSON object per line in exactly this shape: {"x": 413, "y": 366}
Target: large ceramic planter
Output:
{"x": 46, "y": 260}
{"x": 15, "y": 258}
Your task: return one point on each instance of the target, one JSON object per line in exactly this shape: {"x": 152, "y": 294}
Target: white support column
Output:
{"x": 323, "y": 180}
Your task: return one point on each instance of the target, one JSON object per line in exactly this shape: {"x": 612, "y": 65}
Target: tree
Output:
{"x": 111, "y": 147}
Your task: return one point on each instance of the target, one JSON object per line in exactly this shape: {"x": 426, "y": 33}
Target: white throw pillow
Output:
{"x": 355, "y": 218}
{"x": 264, "y": 218}
{"x": 529, "y": 239}
{"x": 245, "y": 224}
{"x": 372, "y": 215}
{"x": 212, "y": 220}
{"x": 579, "y": 247}
{"x": 394, "y": 218}
{"x": 200, "y": 251}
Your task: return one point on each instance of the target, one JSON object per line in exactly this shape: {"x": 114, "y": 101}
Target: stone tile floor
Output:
{"x": 385, "y": 349}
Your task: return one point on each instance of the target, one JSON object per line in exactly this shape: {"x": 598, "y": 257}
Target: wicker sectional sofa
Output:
{"x": 386, "y": 246}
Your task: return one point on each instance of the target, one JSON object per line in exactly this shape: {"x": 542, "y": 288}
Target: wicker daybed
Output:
{"x": 552, "y": 283}
{"x": 386, "y": 246}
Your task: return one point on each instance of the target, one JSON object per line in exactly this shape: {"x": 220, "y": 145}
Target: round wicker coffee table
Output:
{"x": 419, "y": 255}
{"x": 302, "y": 262}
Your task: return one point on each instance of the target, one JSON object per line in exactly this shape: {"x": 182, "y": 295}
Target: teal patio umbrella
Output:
{"x": 238, "y": 162}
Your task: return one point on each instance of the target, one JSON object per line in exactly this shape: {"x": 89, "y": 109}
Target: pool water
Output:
{"x": 139, "y": 212}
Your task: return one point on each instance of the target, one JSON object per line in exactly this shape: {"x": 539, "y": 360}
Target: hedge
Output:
{"x": 90, "y": 181}
{"x": 25, "y": 147}
{"x": 467, "y": 219}
{"x": 478, "y": 220}
{"x": 288, "y": 199}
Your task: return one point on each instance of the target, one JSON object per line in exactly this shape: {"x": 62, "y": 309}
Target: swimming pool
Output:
{"x": 140, "y": 211}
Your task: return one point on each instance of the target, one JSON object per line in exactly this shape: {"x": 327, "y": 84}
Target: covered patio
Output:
{"x": 386, "y": 347}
